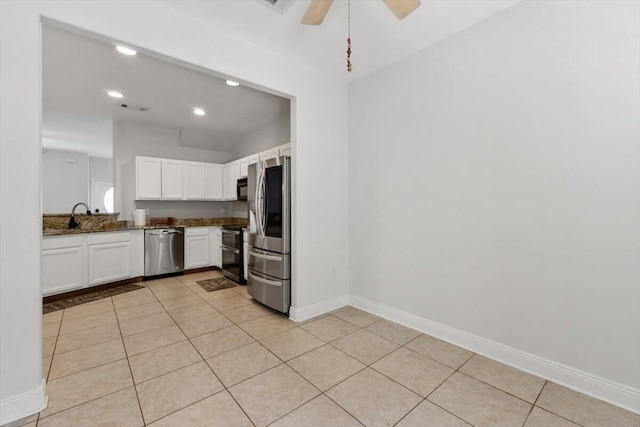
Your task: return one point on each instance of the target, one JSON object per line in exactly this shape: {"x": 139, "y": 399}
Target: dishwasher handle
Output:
{"x": 163, "y": 232}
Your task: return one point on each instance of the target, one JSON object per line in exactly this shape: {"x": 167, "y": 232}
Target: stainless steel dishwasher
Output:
{"x": 163, "y": 251}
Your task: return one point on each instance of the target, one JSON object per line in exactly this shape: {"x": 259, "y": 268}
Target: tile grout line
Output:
{"x": 51, "y": 362}
{"x": 224, "y": 387}
{"x": 547, "y": 410}
{"x": 135, "y": 389}
{"x": 82, "y": 403}
{"x": 534, "y": 403}
{"x": 374, "y": 369}
{"x": 126, "y": 355}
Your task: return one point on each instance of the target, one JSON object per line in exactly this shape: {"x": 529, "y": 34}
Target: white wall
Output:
{"x": 319, "y": 133}
{"x": 272, "y": 134}
{"x": 512, "y": 149}
{"x": 21, "y": 384}
{"x": 65, "y": 180}
{"x": 100, "y": 168}
{"x": 133, "y": 139}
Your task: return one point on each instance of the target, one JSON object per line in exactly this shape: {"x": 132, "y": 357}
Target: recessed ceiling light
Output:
{"x": 114, "y": 94}
{"x": 126, "y": 50}
{"x": 198, "y": 112}
{"x": 232, "y": 83}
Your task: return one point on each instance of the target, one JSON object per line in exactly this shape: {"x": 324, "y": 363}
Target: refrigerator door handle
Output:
{"x": 258, "y": 203}
{"x": 261, "y": 202}
{"x": 265, "y": 281}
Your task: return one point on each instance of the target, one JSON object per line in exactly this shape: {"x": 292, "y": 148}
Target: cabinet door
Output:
{"x": 215, "y": 241}
{"x": 231, "y": 174}
{"x": 172, "y": 179}
{"x": 148, "y": 178}
{"x": 213, "y": 181}
{"x": 109, "y": 262}
{"x": 194, "y": 181}
{"x": 62, "y": 270}
{"x": 269, "y": 154}
{"x": 244, "y": 167}
{"x": 196, "y": 251}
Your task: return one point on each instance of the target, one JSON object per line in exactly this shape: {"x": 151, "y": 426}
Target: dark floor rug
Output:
{"x": 88, "y": 297}
{"x": 211, "y": 285}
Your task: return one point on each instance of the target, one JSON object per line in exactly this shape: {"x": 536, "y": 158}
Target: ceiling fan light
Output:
{"x": 126, "y": 50}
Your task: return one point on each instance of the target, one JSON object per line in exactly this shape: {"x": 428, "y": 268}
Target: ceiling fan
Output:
{"x": 318, "y": 9}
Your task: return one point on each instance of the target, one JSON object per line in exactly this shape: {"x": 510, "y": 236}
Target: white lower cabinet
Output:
{"x": 196, "y": 247}
{"x": 109, "y": 258}
{"x": 74, "y": 262}
{"x": 63, "y": 264}
{"x": 215, "y": 240}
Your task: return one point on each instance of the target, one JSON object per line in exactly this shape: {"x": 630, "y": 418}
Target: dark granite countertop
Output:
{"x": 115, "y": 226}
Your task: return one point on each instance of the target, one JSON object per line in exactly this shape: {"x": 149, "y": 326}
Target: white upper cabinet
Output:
{"x": 244, "y": 167}
{"x": 170, "y": 179}
{"x": 270, "y": 154}
{"x": 231, "y": 175}
{"x": 172, "y": 176}
{"x": 194, "y": 180}
{"x": 285, "y": 150}
{"x": 148, "y": 178}
{"x": 213, "y": 181}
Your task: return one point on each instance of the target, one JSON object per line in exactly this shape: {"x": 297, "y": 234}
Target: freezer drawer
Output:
{"x": 272, "y": 292}
{"x": 270, "y": 263}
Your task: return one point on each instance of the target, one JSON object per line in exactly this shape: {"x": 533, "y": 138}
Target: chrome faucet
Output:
{"x": 73, "y": 223}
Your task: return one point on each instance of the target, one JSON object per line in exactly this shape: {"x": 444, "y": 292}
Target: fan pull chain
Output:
{"x": 349, "y": 68}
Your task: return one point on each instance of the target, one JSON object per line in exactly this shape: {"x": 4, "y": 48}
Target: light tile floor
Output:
{"x": 172, "y": 354}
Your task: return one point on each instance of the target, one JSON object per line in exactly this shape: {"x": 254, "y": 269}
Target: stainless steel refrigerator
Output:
{"x": 269, "y": 263}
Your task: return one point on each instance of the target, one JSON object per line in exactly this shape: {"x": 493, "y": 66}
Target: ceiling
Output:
{"x": 378, "y": 37}
{"x": 78, "y": 114}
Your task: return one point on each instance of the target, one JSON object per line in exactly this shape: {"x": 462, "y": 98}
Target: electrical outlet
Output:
{"x": 172, "y": 211}
{"x": 333, "y": 272}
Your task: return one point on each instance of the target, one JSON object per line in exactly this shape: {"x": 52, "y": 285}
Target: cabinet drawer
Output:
{"x": 98, "y": 239}
{"x": 196, "y": 231}
{"x": 62, "y": 242}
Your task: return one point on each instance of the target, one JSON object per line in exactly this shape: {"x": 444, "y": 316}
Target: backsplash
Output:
{"x": 99, "y": 221}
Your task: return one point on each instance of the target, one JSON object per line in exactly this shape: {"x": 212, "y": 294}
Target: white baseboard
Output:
{"x": 305, "y": 313}
{"x": 23, "y": 405}
{"x": 617, "y": 394}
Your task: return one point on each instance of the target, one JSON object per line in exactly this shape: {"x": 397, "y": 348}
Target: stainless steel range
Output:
{"x": 269, "y": 197}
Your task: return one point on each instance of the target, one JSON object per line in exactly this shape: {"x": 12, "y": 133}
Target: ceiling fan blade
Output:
{"x": 316, "y": 12}
{"x": 401, "y": 8}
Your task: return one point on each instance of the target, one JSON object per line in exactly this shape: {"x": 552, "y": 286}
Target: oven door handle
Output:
{"x": 230, "y": 231}
{"x": 265, "y": 281}
{"x": 267, "y": 257}
{"x": 227, "y": 249}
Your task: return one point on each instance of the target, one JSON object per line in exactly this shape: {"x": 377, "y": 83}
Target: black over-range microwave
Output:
{"x": 242, "y": 189}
